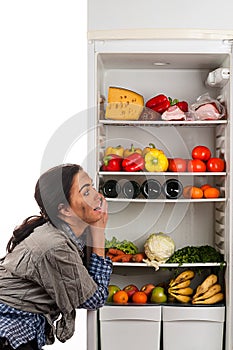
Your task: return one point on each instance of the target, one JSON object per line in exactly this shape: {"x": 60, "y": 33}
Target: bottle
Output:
{"x": 111, "y": 189}
{"x": 131, "y": 189}
{"x": 172, "y": 189}
{"x": 151, "y": 189}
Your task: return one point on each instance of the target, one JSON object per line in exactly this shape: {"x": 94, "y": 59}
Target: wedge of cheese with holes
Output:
{"x": 123, "y": 104}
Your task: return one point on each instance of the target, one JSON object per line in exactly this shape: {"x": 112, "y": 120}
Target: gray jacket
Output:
{"x": 45, "y": 274}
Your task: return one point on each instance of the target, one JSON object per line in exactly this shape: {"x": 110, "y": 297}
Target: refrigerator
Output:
{"x": 183, "y": 63}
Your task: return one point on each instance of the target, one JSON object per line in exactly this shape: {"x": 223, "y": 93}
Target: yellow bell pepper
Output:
{"x": 131, "y": 150}
{"x": 118, "y": 150}
{"x": 148, "y": 149}
{"x": 156, "y": 161}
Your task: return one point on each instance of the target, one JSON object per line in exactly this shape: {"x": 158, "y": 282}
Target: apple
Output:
{"x": 130, "y": 290}
{"x": 112, "y": 289}
{"x": 158, "y": 295}
{"x": 147, "y": 288}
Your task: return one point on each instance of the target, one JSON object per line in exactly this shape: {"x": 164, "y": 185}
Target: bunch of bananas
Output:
{"x": 208, "y": 292}
{"x": 179, "y": 288}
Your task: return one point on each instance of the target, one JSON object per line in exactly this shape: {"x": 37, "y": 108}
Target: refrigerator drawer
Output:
{"x": 189, "y": 328}
{"x": 126, "y": 327}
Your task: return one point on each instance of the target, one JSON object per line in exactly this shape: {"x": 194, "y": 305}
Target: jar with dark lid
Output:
{"x": 151, "y": 189}
{"x": 131, "y": 189}
{"x": 111, "y": 189}
{"x": 172, "y": 189}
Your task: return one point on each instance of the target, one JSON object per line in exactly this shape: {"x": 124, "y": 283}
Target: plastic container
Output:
{"x": 130, "y": 327}
{"x": 193, "y": 328}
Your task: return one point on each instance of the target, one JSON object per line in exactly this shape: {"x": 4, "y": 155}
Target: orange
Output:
{"x": 139, "y": 297}
{"x": 120, "y": 297}
{"x": 205, "y": 186}
{"x": 211, "y": 192}
{"x": 192, "y": 192}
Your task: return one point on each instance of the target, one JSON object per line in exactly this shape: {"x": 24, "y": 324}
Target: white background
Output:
{"x": 43, "y": 83}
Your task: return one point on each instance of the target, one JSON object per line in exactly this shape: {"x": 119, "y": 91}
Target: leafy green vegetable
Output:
{"x": 191, "y": 254}
{"x": 127, "y": 247}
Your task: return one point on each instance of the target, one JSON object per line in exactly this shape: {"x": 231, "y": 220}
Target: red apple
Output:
{"x": 130, "y": 290}
{"x": 147, "y": 288}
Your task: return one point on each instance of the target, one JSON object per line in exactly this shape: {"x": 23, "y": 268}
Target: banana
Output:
{"x": 205, "y": 285}
{"x": 181, "y": 285}
{"x": 181, "y": 291}
{"x": 212, "y": 300}
{"x": 183, "y": 276}
{"x": 216, "y": 288}
{"x": 181, "y": 298}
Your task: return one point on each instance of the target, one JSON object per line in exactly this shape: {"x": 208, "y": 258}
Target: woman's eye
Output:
{"x": 86, "y": 193}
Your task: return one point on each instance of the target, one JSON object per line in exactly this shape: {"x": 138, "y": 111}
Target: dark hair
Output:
{"x": 52, "y": 189}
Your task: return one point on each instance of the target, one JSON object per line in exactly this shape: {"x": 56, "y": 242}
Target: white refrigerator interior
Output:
{"x": 185, "y": 68}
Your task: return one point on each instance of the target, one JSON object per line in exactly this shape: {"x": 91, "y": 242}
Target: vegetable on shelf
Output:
{"x": 199, "y": 254}
{"x": 134, "y": 162}
{"x": 127, "y": 247}
{"x": 112, "y": 162}
{"x": 159, "y": 103}
{"x": 131, "y": 150}
{"x": 148, "y": 149}
{"x": 156, "y": 161}
{"x": 118, "y": 150}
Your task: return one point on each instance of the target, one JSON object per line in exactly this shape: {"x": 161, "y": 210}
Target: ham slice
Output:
{"x": 207, "y": 111}
{"x": 173, "y": 113}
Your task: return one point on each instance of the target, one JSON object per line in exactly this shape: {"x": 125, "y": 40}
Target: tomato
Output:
{"x": 196, "y": 165}
{"x": 177, "y": 164}
{"x": 215, "y": 164}
{"x": 201, "y": 152}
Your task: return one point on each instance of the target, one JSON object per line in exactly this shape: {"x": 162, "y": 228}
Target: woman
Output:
{"x": 44, "y": 277}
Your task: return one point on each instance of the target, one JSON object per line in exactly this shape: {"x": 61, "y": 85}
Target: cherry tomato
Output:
{"x": 177, "y": 165}
{"x": 196, "y": 165}
{"x": 201, "y": 152}
{"x": 215, "y": 164}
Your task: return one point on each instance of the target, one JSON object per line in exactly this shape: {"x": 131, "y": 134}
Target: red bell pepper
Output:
{"x": 183, "y": 105}
{"x": 134, "y": 162}
{"x": 159, "y": 103}
{"x": 112, "y": 162}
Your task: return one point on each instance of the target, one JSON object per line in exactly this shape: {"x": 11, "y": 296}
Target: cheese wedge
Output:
{"x": 123, "y": 104}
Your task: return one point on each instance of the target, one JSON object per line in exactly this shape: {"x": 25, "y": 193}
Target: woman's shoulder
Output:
{"x": 46, "y": 237}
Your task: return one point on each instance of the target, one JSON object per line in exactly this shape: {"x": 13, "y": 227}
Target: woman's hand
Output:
{"x": 97, "y": 230}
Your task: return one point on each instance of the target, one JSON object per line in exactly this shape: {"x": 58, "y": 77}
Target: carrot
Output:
{"x": 126, "y": 257}
{"x": 117, "y": 258}
{"x": 110, "y": 255}
{"x": 138, "y": 257}
{"x": 115, "y": 251}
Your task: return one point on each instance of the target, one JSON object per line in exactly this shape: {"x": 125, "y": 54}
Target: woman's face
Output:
{"x": 85, "y": 201}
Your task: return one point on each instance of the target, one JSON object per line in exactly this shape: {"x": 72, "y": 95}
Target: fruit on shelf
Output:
{"x": 211, "y": 192}
{"x": 201, "y": 152}
{"x": 205, "y": 285}
{"x": 177, "y": 165}
{"x": 196, "y": 165}
{"x": 139, "y": 297}
{"x": 123, "y": 104}
{"x": 182, "y": 277}
{"x": 215, "y": 165}
{"x": 192, "y": 192}
{"x": 120, "y": 297}
{"x": 208, "y": 292}
{"x": 158, "y": 295}
{"x": 147, "y": 288}
{"x": 130, "y": 290}
{"x": 112, "y": 289}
